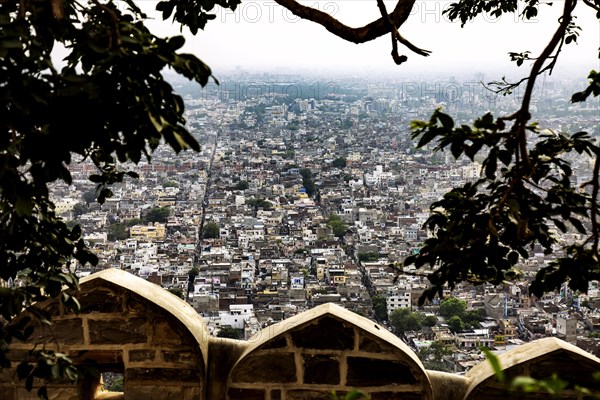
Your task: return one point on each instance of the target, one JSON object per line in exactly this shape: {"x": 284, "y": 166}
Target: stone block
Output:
{"x": 321, "y": 369}
{"x": 396, "y": 396}
{"x": 178, "y": 356}
{"x": 326, "y": 333}
{"x": 63, "y": 331}
{"x": 311, "y": 394}
{"x": 275, "y": 394}
{"x": 172, "y": 375}
{"x": 100, "y": 301}
{"x": 367, "y": 343}
{"x": 141, "y": 355}
{"x": 373, "y": 372}
{"x": 153, "y": 392}
{"x": 266, "y": 368}
{"x": 245, "y": 394}
{"x": 170, "y": 332}
{"x": 118, "y": 331}
{"x": 277, "y": 343}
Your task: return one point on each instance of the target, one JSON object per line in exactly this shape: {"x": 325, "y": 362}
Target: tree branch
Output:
{"x": 363, "y": 34}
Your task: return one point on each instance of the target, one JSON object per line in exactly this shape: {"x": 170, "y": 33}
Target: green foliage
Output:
{"x": 210, "y": 230}
{"x": 241, "y": 185}
{"x": 116, "y": 385}
{"x": 432, "y": 356}
{"x": 483, "y": 229}
{"x": 380, "y": 307}
{"x": 453, "y": 306}
{"x": 231, "y": 333}
{"x": 117, "y": 231}
{"x": 430, "y": 320}
{"x": 307, "y": 181}
{"x": 107, "y": 103}
{"x": 337, "y": 225}
{"x": 368, "y": 256}
{"x": 455, "y": 324}
{"x": 169, "y": 184}
{"x": 79, "y": 209}
{"x": 157, "y": 214}
{"x": 403, "y": 320}
{"x": 339, "y": 163}
{"x": 260, "y": 203}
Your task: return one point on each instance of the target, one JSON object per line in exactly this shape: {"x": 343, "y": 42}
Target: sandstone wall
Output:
{"x": 161, "y": 346}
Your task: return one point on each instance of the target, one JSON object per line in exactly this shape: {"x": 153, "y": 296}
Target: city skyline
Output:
{"x": 261, "y": 35}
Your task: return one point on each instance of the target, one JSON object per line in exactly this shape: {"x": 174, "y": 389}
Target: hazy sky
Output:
{"x": 263, "y": 35}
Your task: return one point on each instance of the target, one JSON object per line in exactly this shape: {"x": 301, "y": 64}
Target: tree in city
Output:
{"x": 157, "y": 214}
{"x": 433, "y": 356}
{"x": 339, "y": 163}
{"x": 380, "y": 307}
{"x": 117, "y": 231}
{"x": 230, "y": 333}
{"x": 455, "y": 324}
{"x": 368, "y": 256}
{"x": 79, "y": 209}
{"x": 453, "y": 306}
{"x": 192, "y": 274}
{"x": 110, "y": 86}
{"x": 242, "y": 185}
{"x": 210, "y": 230}
{"x": 307, "y": 181}
{"x": 337, "y": 225}
{"x": 404, "y": 320}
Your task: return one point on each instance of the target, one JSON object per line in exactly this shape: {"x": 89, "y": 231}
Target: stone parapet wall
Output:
{"x": 162, "y": 348}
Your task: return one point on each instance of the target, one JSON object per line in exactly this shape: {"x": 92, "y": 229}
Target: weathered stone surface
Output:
{"x": 311, "y": 394}
{"x": 275, "y": 394}
{"x": 264, "y": 368}
{"x": 118, "y": 331}
{"x": 372, "y": 372}
{"x": 100, "y": 301}
{"x": 53, "y": 394}
{"x": 177, "y": 356}
{"x": 277, "y": 343}
{"x": 245, "y": 394}
{"x": 396, "y": 396}
{"x": 193, "y": 393}
{"x": 65, "y": 331}
{"x": 321, "y": 369}
{"x": 327, "y": 333}
{"x": 153, "y": 392}
{"x": 111, "y": 360}
{"x": 372, "y": 345}
{"x": 135, "y": 303}
{"x": 8, "y": 392}
{"x": 162, "y": 375}
{"x": 141, "y": 355}
{"x": 170, "y": 332}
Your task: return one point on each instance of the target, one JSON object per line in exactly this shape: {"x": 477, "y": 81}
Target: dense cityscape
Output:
{"x": 309, "y": 190}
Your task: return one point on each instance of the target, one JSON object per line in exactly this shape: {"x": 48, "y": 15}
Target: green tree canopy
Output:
{"x": 337, "y": 225}
{"x": 403, "y": 320}
{"x": 230, "y": 333}
{"x": 111, "y": 86}
{"x": 157, "y": 214}
{"x": 380, "y": 307}
{"x": 339, "y": 162}
{"x": 211, "y": 230}
{"x": 455, "y": 323}
{"x": 453, "y": 306}
{"x": 368, "y": 256}
{"x": 117, "y": 231}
